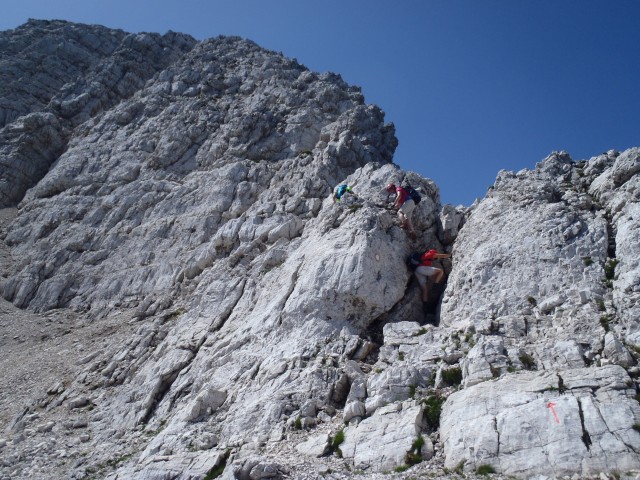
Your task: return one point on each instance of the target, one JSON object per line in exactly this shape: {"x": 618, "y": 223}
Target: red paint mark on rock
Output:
{"x": 555, "y": 415}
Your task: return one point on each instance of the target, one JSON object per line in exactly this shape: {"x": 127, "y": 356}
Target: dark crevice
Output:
{"x": 217, "y": 325}
{"x": 339, "y": 392}
{"x": 611, "y": 236}
{"x": 586, "y": 438}
{"x": 169, "y": 379}
{"x": 374, "y": 330}
{"x": 292, "y": 287}
{"x": 254, "y": 371}
{"x": 495, "y": 427}
{"x": 162, "y": 389}
{"x": 561, "y": 387}
{"x": 183, "y": 392}
{"x": 431, "y": 308}
{"x": 431, "y": 311}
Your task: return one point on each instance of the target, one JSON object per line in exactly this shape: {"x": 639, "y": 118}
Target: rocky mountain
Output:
{"x": 184, "y": 299}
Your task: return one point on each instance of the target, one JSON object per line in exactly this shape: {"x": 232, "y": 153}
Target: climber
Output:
{"x": 426, "y": 270}
{"x": 404, "y": 204}
{"x": 341, "y": 190}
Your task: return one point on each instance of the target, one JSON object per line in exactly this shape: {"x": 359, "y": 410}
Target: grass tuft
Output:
{"x": 432, "y": 409}
{"x": 414, "y": 455}
{"x": 452, "y": 376}
{"x": 485, "y": 470}
{"x": 216, "y": 471}
{"x": 610, "y": 269}
{"x": 527, "y": 361}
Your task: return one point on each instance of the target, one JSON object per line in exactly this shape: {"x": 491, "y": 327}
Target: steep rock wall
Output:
{"x": 56, "y": 75}
{"x": 545, "y": 278}
{"x": 201, "y": 205}
{"x": 185, "y": 207}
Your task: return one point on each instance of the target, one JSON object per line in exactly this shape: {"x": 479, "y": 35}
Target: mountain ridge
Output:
{"x": 170, "y": 234}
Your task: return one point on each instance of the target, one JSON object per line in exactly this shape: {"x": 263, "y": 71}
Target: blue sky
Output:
{"x": 472, "y": 86}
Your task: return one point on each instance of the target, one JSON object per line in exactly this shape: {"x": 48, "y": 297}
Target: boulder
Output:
{"x": 545, "y": 423}
{"x": 381, "y": 442}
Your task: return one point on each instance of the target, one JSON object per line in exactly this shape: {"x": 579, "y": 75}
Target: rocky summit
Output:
{"x": 182, "y": 298}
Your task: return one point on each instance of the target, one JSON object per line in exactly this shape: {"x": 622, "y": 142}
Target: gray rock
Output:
{"x": 78, "y": 402}
{"x": 178, "y": 193}
{"x": 47, "y": 91}
{"x": 451, "y": 221}
{"x": 381, "y": 441}
{"x": 484, "y": 361}
{"x": 45, "y": 427}
{"x": 315, "y": 446}
{"x": 510, "y": 423}
{"x": 616, "y": 352}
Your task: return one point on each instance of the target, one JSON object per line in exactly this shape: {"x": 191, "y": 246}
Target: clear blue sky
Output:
{"x": 472, "y": 86}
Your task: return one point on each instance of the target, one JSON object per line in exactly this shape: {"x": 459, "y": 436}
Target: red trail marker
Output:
{"x": 555, "y": 415}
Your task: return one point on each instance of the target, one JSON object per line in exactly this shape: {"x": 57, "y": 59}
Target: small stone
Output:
{"x": 315, "y": 446}
{"x": 79, "y": 402}
{"x": 323, "y": 417}
{"x": 324, "y": 470}
{"x": 56, "y": 388}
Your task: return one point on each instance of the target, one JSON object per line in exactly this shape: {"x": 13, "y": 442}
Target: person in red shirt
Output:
{"x": 405, "y": 205}
{"x": 426, "y": 270}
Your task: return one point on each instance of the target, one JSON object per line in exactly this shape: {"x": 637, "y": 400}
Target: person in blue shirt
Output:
{"x": 341, "y": 190}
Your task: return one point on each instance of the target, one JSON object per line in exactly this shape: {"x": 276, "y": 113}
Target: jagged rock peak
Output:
{"x": 56, "y": 75}
{"x": 192, "y": 301}
{"x": 546, "y": 278}
{"x": 259, "y": 133}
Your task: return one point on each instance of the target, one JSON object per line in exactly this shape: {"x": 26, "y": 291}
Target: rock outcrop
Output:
{"x": 171, "y": 234}
{"x": 546, "y": 278}
{"x": 56, "y": 75}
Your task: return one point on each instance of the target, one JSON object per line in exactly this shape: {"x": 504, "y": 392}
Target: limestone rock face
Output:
{"x": 56, "y": 75}
{"x": 172, "y": 237}
{"x": 544, "y": 278}
{"x": 383, "y": 440}
{"x": 551, "y": 423}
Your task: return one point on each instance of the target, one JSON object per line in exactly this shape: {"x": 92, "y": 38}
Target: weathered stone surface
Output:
{"x": 543, "y": 290}
{"x": 484, "y": 361}
{"x": 451, "y": 221}
{"x": 382, "y": 440}
{"x": 214, "y": 307}
{"x": 510, "y": 423}
{"x": 522, "y": 231}
{"x": 618, "y": 189}
{"x": 615, "y": 351}
{"x": 56, "y": 75}
{"x": 315, "y": 446}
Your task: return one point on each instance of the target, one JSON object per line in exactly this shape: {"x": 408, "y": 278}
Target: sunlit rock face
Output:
{"x": 171, "y": 200}
{"x": 545, "y": 278}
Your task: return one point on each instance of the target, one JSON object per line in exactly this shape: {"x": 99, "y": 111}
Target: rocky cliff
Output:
{"x": 183, "y": 299}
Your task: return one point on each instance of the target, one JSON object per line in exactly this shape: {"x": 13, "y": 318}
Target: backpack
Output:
{"x": 413, "y": 193}
{"x": 413, "y": 261}
{"x": 340, "y": 190}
